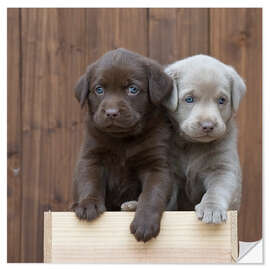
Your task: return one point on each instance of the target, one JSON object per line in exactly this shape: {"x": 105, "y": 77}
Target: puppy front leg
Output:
{"x": 88, "y": 190}
{"x": 151, "y": 204}
{"x": 221, "y": 190}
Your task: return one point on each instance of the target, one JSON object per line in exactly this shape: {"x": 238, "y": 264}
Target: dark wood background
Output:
{"x": 48, "y": 49}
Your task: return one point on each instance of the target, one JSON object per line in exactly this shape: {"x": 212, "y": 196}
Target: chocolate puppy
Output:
{"x": 125, "y": 153}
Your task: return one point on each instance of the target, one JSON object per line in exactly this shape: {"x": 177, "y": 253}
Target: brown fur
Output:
{"x": 126, "y": 157}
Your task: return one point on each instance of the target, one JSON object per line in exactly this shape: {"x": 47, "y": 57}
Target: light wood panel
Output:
{"x": 182, "y": 239}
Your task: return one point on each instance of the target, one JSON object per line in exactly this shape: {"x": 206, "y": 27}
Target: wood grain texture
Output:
{"x": 14, "y": 147}
{"x": 112, "y": 28}
{"x": 177, "y": 33}
{"x": 35, "y": 190}
{"x": 182, "y": 239}
{"x": 236, "y": 39}
{"x": 54, "y": 53}
{"x": 47, "y": 239}
{"x": 234, "y": 234}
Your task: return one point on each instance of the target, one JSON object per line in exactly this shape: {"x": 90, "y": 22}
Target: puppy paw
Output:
{"x": 129, "y": 206}
{"x": 210, "y": 213}
{"x": 144, "y": 228}
{"x": 88, "y": 209}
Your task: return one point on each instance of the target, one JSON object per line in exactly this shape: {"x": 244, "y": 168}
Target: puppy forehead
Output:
{"x": 119, "y": 69}
{"x": 206, "y": 82}
{"x": 121, "y": 72}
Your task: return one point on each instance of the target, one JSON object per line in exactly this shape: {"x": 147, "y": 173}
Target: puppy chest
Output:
{"x": 122, "y": 182}
{"x": 119, "y": 169}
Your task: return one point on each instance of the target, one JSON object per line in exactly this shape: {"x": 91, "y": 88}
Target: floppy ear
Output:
{"x": 238, "y": 88}
{"x": 81, "y": 89}
{"x": 171, "y": 102}
{"x": 82, "y": 86}
{"x": 160, "y": 84}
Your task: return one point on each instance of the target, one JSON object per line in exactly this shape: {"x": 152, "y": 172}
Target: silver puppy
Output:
{"x": 204, "y": 101}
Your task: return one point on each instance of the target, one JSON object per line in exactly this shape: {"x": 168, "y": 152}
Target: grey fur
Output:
{"x": 210, "y": 164}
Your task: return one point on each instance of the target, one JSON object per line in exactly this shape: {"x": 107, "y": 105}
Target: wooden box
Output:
{"x": 182, "y": 239}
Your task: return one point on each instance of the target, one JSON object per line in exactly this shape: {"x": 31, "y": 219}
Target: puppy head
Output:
{"x": 121, "y": 89}
{"x": 206, "y": 94}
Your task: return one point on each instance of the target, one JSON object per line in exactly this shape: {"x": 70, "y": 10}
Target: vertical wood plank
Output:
{"x": 111, "y": 28}
{"x": 53, "y": 58}
{"x": 67, "y": 52}
{"x": 14, "y": 169}
{"x": 177, "y": 33}
{"x": 193, "y": 24}
{"x": 163, "y": 36}
{"x": 33, "y": 97}
{"x": 236, "y": 39}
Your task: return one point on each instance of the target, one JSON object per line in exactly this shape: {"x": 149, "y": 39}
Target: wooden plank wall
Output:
{"x": 48, "y": 49}
{"x": 14, "y": 155}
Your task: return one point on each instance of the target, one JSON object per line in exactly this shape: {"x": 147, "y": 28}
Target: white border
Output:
{"x": 138, "y": 3}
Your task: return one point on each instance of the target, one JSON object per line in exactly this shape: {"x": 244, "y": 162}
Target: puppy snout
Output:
{"x": 207, "y": 126}
{"x": 112, "y": 113}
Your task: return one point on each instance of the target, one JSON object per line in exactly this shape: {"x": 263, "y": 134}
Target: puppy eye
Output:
{"x": 189, "y": 99}
{"x": 133, "y": 90}
{"x": 221, "y": 100}
{"x": 99, "y": 90}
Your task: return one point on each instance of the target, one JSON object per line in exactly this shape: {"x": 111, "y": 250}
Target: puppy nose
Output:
{"x": 112, "y": 113}
{"x": 207, "y": 126}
